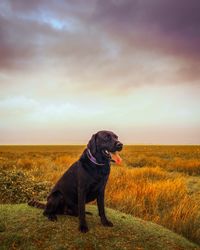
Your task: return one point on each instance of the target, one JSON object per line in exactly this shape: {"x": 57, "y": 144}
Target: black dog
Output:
{"x": 85, "y": 181}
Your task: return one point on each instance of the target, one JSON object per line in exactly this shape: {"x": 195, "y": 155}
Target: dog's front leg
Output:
{"x": 101, "y": 208}
{"x": 81, "y": 210}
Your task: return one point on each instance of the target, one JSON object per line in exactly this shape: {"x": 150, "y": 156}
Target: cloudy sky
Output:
{"x": 71, "y": 68}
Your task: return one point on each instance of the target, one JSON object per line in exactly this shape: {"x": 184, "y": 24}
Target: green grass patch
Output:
{"x": 24, "y": 227}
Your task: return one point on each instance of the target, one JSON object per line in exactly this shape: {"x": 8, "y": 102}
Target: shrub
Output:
{"x": 17, "y": 186}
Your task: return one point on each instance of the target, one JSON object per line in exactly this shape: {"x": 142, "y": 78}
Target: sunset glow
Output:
{"x": 71, "y": 68}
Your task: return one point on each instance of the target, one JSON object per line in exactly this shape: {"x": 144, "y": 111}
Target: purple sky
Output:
{"x": 70, "y": 68}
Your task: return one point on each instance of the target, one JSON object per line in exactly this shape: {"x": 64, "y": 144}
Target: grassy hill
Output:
{"x": 24, "y": 227}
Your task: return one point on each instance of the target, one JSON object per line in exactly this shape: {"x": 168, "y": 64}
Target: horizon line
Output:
{"x": 128, "y": 144}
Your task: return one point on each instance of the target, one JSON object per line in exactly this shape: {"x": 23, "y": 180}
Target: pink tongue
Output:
{"x": 115, "y": 157}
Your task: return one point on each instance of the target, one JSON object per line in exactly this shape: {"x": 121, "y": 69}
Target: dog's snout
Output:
{"x": 119, "y": 145}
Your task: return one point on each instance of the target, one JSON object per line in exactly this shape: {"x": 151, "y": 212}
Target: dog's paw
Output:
{"x": 83, "y": 228}
{"x": 107, "y": 223}
{"x": 52, "y": 217}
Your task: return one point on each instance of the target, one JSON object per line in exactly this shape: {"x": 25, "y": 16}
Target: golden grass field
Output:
{"x": 156, "y": 183}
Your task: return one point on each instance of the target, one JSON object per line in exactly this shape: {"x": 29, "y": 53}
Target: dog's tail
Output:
{"x": 37, "y": 204}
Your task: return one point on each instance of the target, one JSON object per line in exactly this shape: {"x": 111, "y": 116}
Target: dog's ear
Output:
{"x": 92, "y": 144}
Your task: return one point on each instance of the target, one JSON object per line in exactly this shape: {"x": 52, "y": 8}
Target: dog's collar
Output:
{"x": 93, "y": 159}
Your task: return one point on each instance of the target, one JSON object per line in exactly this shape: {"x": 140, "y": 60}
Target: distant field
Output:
{"x": 156, "y": 183}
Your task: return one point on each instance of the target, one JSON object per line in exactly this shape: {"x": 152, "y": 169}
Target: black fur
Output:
{"x": 36, "y": 204}
{"x": 84, "y": 181}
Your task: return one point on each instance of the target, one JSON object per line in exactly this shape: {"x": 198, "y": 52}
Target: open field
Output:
{"x": 156, "y": 183}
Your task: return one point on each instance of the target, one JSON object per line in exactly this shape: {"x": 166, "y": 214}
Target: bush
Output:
{"x": 17, "y": 186}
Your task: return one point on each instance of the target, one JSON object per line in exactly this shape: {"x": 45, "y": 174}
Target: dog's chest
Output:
{"x": 94, "y": 188}
{"x": 96, "y": 184}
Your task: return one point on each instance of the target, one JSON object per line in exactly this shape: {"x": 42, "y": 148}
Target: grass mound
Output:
{"x": 23, "y": 227}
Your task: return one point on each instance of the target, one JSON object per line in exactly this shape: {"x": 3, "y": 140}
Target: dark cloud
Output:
{"x": 14, "y": 49}
{"x": 24, "y": 6}
{"x": 180, "y": 17}
{"x": 111, "y": 40}
{"x": 167, "y": 28}
{"x": 31, "y": 31}
{"x": 164, "y": 24}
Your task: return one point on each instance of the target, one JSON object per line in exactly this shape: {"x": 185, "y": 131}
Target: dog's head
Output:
{"x": 104, "y": 146}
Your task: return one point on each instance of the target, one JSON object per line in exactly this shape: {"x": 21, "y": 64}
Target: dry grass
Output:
{"x": 151, "y": 183}
{"x": 155, "y": 195}
{"x": 189, "y": 166}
